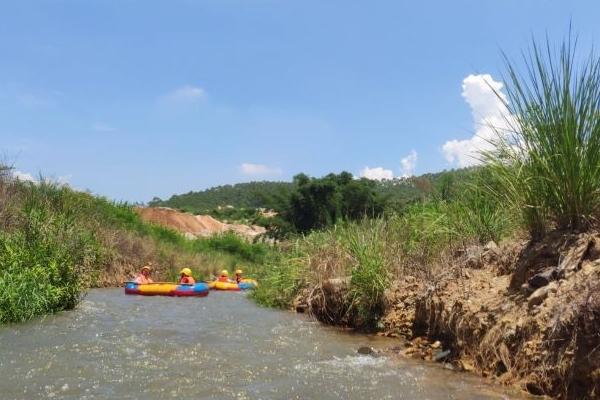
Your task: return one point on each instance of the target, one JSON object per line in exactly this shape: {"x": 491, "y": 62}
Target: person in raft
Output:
{"x": 144, "y": 276}
{"x": 224, "y": 277}
{"x": 238, "y": 275}
{"x": 186, "y": 277}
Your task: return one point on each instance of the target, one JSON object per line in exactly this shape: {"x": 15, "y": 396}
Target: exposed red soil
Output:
{"x": 195, "y": 225}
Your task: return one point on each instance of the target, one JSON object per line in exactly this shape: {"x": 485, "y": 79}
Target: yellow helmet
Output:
{"x": 239, "y": 271}
{"x": 186, "y": 271}
{"x": 224, "y": 273}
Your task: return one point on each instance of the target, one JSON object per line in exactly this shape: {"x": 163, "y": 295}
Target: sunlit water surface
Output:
{"x": 223, "y": 346}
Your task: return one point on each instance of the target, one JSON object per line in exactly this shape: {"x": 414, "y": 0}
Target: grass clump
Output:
{"x": 44, "y": 259}
{"x": 370, "y": 276}
{"x": 548, "y": 163}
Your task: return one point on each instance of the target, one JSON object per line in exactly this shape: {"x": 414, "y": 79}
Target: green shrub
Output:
{"x": 43, "y": 267}
{"x": 281, "y": 280}
{"x": 231, "y": 243}
{"x": 56, "y": 242}
{"x": 370, "y": 275}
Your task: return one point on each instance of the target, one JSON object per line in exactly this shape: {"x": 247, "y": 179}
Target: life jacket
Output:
{"x": 223, "y": 278}
{"x": 187, "y": 279}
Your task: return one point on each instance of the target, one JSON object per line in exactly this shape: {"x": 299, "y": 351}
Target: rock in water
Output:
{"x": 365, "y": 350}
{"x": 441, "y": 355}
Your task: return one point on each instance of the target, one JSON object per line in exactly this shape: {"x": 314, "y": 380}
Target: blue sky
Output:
{"x": 135, "y": 99}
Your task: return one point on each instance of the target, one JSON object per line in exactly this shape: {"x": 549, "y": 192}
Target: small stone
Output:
{"x": 436, "y": 345}
{"x": 365, "y": 350}
{"x": 526, "y": 290}
{"x": 534, "y": 388}
{"x": 537, "y": 297}
{"x": 491, "y": 245}
{"x": 464, "y": 365}
{"x": 441, "y": 355}
{"x": 409, "y": 351}
{"x": 301, "y": 308}
{"x": 449, "y": 366}
{"x": 543, "y": 278}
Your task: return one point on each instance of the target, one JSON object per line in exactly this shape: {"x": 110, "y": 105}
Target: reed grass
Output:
{"x": 548, "y": 160}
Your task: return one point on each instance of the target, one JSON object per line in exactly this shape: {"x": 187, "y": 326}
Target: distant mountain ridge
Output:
{"x": 273, "y": 195}
{"x": 265, "y": 194}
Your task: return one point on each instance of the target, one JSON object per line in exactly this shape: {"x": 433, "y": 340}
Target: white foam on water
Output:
{"x": 350, "y": 363}
{"x": 357, "y": 361}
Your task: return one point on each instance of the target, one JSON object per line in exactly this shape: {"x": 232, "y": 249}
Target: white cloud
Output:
{"x": 259, "y": 169}
{"x": 63, "y": 180}
{"x": 23, "y": 176}
{"x": 487, "y": 102}
{"x": 408, "y": 164}
{"x": 377, "y": 173}
{"x": 407, "y": 168}
{"x": 185, "y": 94}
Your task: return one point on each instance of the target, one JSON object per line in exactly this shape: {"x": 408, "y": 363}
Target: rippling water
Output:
{"x": 219, "y": 347}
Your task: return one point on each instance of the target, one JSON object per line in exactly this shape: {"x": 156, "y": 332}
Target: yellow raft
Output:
{"x": 243, "y": 285}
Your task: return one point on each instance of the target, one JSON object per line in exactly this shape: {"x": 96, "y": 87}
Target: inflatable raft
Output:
{"x": 245, "y": 284}
{"x": 167, "y": 289}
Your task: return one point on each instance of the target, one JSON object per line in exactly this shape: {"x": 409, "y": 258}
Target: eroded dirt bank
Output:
{"x": 525, "y": 314}
{"x": 194, "y": 226}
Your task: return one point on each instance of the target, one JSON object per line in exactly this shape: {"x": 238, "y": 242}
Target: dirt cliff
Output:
{"x": 195, "y": 225}
{"x": 523, "y": 313}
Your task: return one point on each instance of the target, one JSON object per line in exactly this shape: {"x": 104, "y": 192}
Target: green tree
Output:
{"x": 320, "y": 202}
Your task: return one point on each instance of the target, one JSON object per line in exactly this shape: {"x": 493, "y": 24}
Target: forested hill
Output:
{"x": 275, "y": 195}
{"x": 269, "y": 195}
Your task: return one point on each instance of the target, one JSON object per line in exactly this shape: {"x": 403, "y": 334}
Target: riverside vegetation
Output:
{"x": 526, "y": 311}
{"x": 56, "y": 242}
{"x": 494, "y": 269}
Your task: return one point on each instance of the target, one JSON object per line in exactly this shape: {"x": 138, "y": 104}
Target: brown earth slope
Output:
{"x": 525, "y": 314}
{"x": 195, "y": 225}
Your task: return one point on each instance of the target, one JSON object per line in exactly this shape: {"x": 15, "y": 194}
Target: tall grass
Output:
{"x": 548, "y": 164}
{"x": 284, "y": 276}
{"x": 369, "y": 254}
{"x": 45, "y": 258}
{"x": 370, "y": 276}
{"x": 56, "y": 242}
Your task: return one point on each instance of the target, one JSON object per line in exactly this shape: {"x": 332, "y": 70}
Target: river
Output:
{"x": 223, "y": 346}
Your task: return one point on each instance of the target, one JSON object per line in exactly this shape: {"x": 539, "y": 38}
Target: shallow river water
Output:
{"x": 223, "y": 346}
